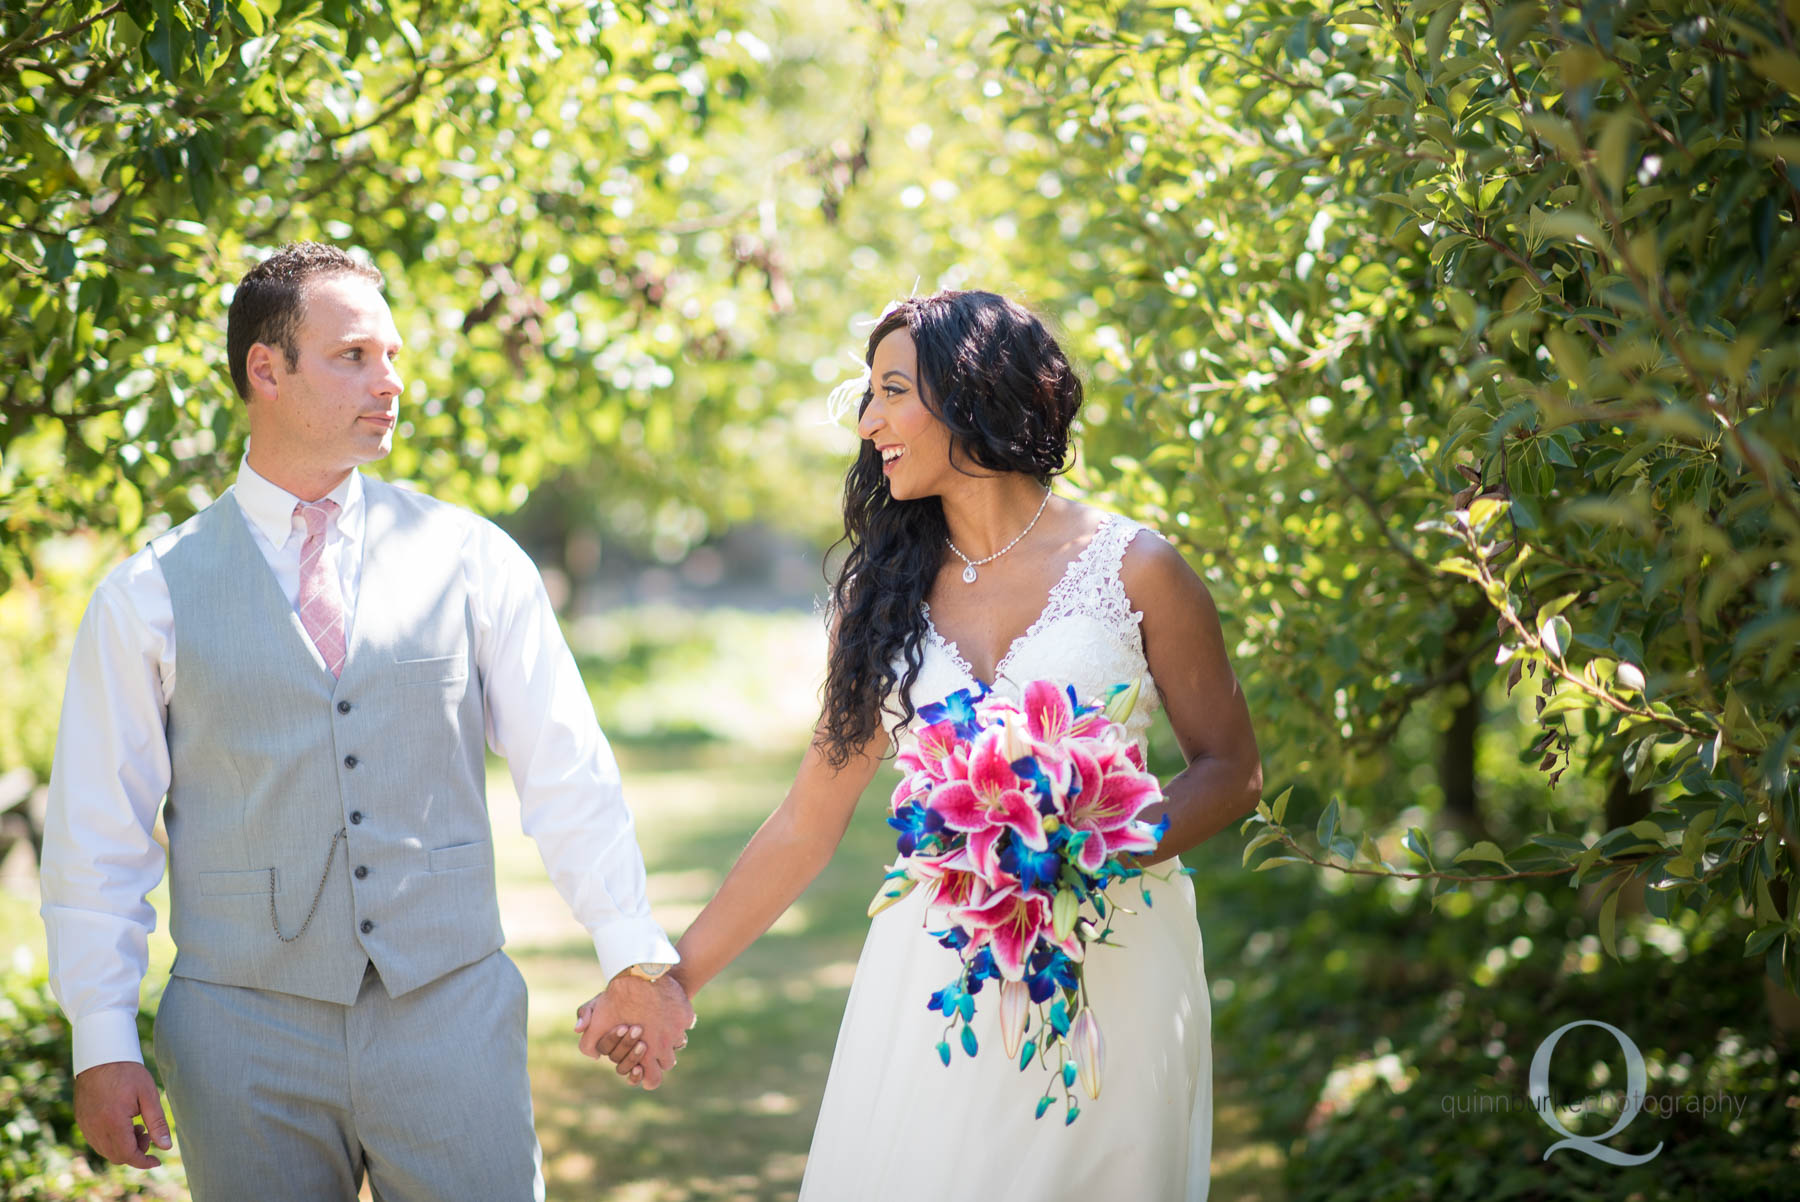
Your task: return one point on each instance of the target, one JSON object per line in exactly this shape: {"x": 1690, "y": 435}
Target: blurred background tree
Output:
{"x": 1459, "y": 346}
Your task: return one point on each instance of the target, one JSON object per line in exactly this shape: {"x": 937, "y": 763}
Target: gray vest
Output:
{"x": 271, "y": 759}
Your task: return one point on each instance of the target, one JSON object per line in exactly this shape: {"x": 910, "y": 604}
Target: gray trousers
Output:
{"x": 279, "y": 1098}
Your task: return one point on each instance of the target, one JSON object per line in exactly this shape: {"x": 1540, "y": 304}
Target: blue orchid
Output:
{"x": 1035, "y": 869}
{"x": 1050, "y": 970}
{"x": 958, "y": 709}
{"x": 1029, "y": 770}
{"x": 916, "y": 824}
{"x": 981, "y": 968}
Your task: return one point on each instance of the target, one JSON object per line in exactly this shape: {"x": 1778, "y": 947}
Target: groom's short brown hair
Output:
{"x": 271, "y": 299}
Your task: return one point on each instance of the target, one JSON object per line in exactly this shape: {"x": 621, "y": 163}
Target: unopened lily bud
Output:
{"x": 891, "y": 892}
{"x": 1089, "y": 1049}
{"x": 1015, "y": 1011}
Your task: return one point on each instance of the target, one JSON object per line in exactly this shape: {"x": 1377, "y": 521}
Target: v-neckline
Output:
{"x": 352, "y": 631}
{"x": 950, "y": 649}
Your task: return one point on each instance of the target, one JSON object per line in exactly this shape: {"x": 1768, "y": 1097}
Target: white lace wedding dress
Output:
{"x": 897, "y": 1124}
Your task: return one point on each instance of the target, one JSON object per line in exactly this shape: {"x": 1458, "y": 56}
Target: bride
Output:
{"x": 965, "y": 570}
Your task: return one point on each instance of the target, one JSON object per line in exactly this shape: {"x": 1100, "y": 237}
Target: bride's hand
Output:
{"x": 637, "y": 1024}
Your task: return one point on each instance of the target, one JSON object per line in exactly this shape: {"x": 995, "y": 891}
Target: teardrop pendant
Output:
{"x": 969, "y": 574}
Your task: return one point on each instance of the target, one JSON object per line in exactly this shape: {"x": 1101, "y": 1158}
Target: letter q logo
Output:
{"x": 1634, "y": 1097}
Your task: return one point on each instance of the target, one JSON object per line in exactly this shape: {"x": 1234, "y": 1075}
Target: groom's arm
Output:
{"x": 100, "y": 857}
{"x": 540, "y": 718}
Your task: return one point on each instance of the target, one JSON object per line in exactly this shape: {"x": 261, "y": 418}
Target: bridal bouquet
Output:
{"x": 1016, "y": 819}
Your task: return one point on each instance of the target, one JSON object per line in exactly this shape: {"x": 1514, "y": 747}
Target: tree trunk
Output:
{"x": 1456, "y": 762}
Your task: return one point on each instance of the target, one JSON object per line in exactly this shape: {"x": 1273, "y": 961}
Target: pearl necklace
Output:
{"x": 970, "y": 565}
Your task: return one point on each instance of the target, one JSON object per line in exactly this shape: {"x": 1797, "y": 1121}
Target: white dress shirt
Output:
{"x": 101, "y": 860}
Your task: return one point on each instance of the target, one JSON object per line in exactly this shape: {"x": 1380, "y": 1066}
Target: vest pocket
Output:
{"x": 459, "y": 855}
{"x": 435, "y": 670}
{"x": 224, "y": 884}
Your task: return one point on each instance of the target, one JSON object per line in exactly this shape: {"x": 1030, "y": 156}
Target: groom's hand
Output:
{"x": 659, "y": 1011}
{"x": 108, "y": 1100}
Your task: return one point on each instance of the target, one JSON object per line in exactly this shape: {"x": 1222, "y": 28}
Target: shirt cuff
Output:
{"x": 622, "y": 944}
{"x": 105, "y": 1036}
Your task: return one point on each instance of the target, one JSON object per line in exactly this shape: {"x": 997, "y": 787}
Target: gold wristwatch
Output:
{"x": 647, "y": 972}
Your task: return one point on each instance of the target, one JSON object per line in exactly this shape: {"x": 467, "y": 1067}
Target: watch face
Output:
{"x": 649, "y": 972}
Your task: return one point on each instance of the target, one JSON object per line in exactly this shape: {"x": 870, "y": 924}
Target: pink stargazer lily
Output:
{"x": 1010, "y": 921}
{"x": 948, "y": 881}
{"x": 937, "y": 754}
{"x": 1113, "y": 793}
{"x": 992, "y": 795}
{"x": 1051, "y": 718}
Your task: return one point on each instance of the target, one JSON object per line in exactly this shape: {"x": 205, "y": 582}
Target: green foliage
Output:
{"x": 566, "y": 274}
{"x": 38, "y": 620}
{"x": 1395, "y": 1065}
{"x": 1440, "y": 315}
{"x": 43, "y": 1157}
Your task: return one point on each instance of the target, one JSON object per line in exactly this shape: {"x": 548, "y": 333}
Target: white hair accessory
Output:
{"x": 847, "y": 397}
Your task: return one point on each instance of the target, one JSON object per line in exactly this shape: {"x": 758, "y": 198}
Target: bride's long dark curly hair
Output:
{"x": 993, "y": 374}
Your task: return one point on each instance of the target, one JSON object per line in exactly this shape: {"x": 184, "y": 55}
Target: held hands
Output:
{"x": 108, "y": 1099}
{"x": 639, "y": 1025}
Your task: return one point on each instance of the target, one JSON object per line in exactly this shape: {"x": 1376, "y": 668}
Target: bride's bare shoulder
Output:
{"x": 1157, "y": 576}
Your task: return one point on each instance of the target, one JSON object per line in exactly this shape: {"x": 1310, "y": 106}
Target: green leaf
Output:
{"x": 1278, "y": 807}
{"x": 1483, "y": 851}
{"x": 1272, "y": 861}
{"x": 1327, "y": 825}
{"x": 1262, "y": 840}
{"x": 59, "y": 260}
{"x": 1609, "y": 913}
{"x": 160, "y": 44}
{"x": 1483, "y": 511}
{"x": 1556, "y": 634}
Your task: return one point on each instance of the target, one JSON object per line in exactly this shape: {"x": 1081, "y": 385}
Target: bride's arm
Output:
{"x": 784, "y": 856}
{"x": 1185, "y": 648}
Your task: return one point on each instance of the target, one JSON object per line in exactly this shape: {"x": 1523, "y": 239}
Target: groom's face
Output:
{"x": 337, "y": 406}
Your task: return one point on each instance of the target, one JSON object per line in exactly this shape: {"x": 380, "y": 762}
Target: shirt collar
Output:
{"x": 270, "y": 507}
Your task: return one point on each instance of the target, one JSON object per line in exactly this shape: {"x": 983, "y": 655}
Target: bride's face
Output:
{"x": 914, "y": 444}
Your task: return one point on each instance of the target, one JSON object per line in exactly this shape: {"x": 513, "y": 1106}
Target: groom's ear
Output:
{"x": 260, "y": 372}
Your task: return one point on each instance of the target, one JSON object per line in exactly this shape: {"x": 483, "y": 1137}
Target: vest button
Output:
{"x": 349, "y": 761}
{"x": 343, "y": 707}
{"x": 355, "y": 817}
{"x": 362, "y": 871}
{"x": 367, "y": 926}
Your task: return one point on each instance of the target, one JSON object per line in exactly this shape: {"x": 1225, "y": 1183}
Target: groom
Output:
{"x": 309, "y": 670}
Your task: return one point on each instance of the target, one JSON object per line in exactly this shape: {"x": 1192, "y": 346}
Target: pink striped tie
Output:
{"x": 321, "y": 602}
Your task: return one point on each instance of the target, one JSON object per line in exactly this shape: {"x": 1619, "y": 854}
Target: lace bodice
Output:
{"x": 1087, "y": 635}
